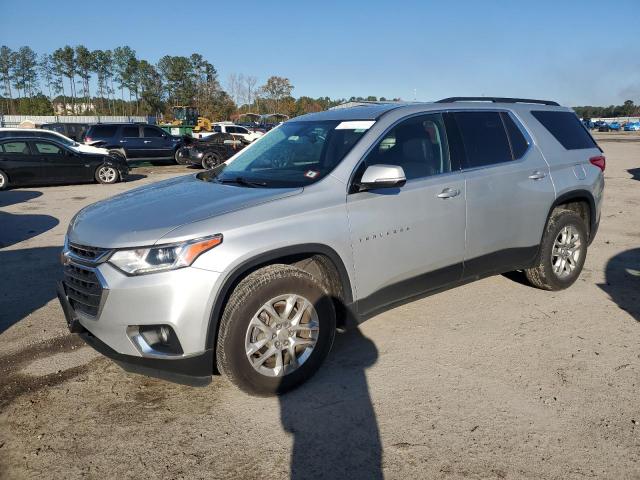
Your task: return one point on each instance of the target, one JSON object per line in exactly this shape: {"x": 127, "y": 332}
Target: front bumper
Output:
{"x": 181, "y": 299}
{"x": 187, "y": 157}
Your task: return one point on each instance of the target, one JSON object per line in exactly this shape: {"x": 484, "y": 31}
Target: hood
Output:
{"x": 81, "y": 147}
{"x": 142, "y": 216}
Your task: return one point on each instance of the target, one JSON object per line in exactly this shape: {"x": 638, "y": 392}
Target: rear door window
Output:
{"x": 484, "y": 138}
{"x": 566, "y": 128}
{"x": 150, "y": 132}
{"x": 130, "y": 132}
{"x": 103, "y": 131}
{"x": 16, "y": 147}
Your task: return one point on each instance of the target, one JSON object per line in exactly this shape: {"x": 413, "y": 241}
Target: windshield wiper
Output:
{"x": 242, "y": 181}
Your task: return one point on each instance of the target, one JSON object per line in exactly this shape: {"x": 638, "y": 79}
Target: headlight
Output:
{"x": 138, "y": 261}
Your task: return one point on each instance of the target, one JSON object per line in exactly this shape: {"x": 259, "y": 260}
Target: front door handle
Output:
{"x": 123, "y": 141}
{"x": 449, "y": 193}
{"x": 537, "y": 175}
{"x": 147, "y": 141}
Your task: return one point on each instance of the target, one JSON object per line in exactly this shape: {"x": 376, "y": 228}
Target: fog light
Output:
{"x": 165, "y": 333}
{"x": 155, "y": 339}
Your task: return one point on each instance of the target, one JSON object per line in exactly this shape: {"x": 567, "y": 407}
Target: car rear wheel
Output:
{"x": 178, "y": 159}
{"x": 210, "y": 160}
{"x": 4, "y": 181}
{"x": 277, "y": 328}
{"x": 562, "y": 252}
{"x": 107, "y": 174}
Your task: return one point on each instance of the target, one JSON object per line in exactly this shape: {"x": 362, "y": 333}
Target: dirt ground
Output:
{"x": 490, "y": 380}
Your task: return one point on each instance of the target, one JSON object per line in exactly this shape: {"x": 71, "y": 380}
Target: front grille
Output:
{"x": 87, "y": 253}
{"x": 83, "y": 289}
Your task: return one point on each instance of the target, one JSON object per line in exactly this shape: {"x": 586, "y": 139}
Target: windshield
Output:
{"x": 294, "y": 154}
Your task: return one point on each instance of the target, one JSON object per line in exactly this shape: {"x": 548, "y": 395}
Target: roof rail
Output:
{"x": 497, "y": 100}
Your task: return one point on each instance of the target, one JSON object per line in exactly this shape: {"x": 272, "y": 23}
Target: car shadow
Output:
{"x": 12, "y": 197}
{"x": 27, "y": 282}
{"x": 132, "y": 177}
{"x": 17, "y": 227}
{"x": 622, "y": 281}
{"x": 331, "y": 417}
{"x": 635, "y": 173}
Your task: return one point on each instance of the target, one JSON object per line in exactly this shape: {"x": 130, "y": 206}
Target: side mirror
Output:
{"x": 382, "y": 176}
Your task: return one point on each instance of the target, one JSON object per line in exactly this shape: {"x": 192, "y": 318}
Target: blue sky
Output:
{"x": 575, "y": 51}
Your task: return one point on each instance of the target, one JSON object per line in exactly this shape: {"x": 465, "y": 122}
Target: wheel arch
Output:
{"x": 572, "y": 200}
{"x": 290, "y": 255}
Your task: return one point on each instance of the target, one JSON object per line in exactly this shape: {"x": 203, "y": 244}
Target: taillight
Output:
{"x": 87, "y": 139}
{"x": 599, "y": 162}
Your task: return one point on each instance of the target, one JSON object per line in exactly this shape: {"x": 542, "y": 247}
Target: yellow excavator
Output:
{"x": 187, "y": 120}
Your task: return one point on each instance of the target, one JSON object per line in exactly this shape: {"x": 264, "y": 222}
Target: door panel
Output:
{"x": 509, "y": 191}
{"x": 506, "y": 213}
{"x": 17, "y": 161}
{"x": 58, "y": 164}
{"x": 156, "y": 145}
{"x": 407, "y": 240}
{"x": 132, "y": 142}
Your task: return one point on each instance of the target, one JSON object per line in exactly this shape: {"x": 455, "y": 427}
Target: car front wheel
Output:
{"x": 276, "y": 330}
{"x": 562, "y": 252}
{"x": 210, "y": 160}
{"x": 4, "y": 181}
{"x": 107, "y": 174}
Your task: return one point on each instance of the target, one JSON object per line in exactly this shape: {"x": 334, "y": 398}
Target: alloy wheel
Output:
{"x": 107, "y": 174}
{"x": 566, "y": 251}
{"x": 282, "y": 335}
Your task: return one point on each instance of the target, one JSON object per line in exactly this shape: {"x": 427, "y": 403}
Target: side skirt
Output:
{"x": 439, "y": 281}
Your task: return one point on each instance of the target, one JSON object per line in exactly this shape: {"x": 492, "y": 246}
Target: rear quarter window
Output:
{"x": 16, "y": 147}
{"x": 103, "y": 131}
{"x": 566, "y": 128}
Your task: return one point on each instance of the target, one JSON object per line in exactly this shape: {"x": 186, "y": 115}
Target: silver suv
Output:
{"x": 326, "y": 220}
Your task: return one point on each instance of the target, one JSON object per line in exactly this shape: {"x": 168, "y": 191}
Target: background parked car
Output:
{"x": 135, "y": 141}
{"x": 242, "y": 133}
{"x": 51, "y": 135}
{"x": 632, "y": 127}
{"x": 74, "y": 131}
{"x": 604, "y": 127}
{"x": 28, "y": 160}
{"x": 210, "y": 151}
{"x": 614, "y": 126}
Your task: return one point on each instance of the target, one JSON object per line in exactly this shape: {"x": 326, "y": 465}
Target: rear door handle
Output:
{"x": 147, "y": 141}
{"x": 537, "y": 175}
{"x": 123, "y": 141}
{"x": 449, "y": 193}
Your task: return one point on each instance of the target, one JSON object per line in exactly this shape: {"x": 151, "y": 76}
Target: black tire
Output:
{"x": 4, "y": 181}
{"x": 210, "y": 160}
{"x": 107, "y": 174}
{"x": 177, "y": 159}
{"x": 247, "y": 299}
{"x": 543, "y": 275}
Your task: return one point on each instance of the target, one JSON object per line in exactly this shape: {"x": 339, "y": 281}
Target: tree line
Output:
{"x": 73, "y": 80}
{"x": 627, "y": 109}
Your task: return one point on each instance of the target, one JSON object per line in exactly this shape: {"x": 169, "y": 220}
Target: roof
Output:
{"x": 363, "y": 112}
{"x": 374, "y": 110}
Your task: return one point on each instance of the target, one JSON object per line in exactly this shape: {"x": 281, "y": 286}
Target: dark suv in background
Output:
{"x": 134, "y": 141}
{"x": 75, "y": 131}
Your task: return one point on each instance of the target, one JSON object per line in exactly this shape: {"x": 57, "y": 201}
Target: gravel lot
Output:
{"x": 490, "y": 380}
